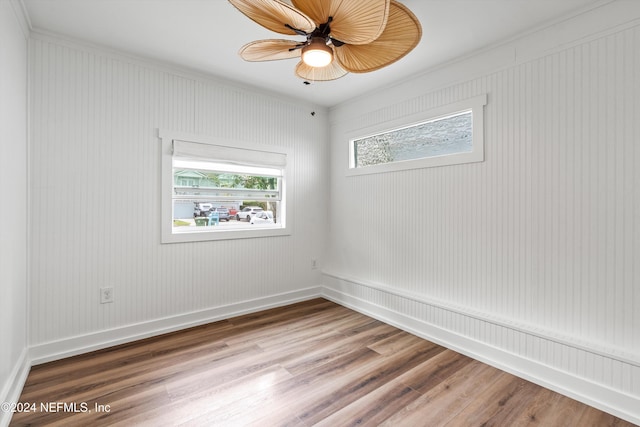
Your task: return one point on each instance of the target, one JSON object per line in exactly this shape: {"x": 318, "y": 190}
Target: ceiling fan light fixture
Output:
{"x": 341, "y": 36}
{"x": 317, "y": 54}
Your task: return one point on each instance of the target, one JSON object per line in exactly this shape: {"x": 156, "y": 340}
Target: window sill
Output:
{"x": 207, "y": 235}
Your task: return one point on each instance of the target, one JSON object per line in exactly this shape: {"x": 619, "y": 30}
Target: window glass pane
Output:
{"x": 195, "y": 215}
{"x": 205, "y": 199}
{"x": 440, "y": 137}
{"x": 224, "y": 186}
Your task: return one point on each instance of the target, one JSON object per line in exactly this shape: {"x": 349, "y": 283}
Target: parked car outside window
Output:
{"x": 248, "y": 212}
{"x": 223, "y": 213}
{"x": 264, "y": 217}
{"x": 202, "y": 209}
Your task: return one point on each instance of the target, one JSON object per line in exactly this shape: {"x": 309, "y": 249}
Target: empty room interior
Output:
{"x": 201, "y": 226}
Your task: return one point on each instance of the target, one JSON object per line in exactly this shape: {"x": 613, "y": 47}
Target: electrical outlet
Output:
{"x": 106, "y": 295}
{"x": 314, "y": 263}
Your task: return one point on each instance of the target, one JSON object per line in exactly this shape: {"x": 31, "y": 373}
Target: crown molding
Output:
{"x": 22, "y": 16}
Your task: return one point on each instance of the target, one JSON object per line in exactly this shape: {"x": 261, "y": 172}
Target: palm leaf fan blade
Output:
{"x": 275, "y": 15}
{"x": 400, "y": 36}
{"x": 332, "y": 71}
{"x": 353, "y": 21}
{"x": 270, "y": 50}
{"x": 318, "y": 11}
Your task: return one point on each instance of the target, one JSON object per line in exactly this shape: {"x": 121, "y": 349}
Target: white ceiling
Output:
{"x": 205, "y": 35}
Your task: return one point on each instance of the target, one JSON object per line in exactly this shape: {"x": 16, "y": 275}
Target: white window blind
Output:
{"x": 231, "y": 155}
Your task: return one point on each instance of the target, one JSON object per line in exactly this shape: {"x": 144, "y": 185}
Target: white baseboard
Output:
{"x": 67, "y": 347}
{"x": 594, "y": 394}
{"x": 12, "y": 390}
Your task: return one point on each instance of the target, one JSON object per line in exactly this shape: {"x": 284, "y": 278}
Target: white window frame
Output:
{"x": 475, "y": 105}
{"x": 207, "y": 233}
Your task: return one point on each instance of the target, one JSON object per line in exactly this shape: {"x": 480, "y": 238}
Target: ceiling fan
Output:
{"x": 341, "y": 36}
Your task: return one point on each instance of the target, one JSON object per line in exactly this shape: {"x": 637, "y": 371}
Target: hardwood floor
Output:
{"x": 312, "y": 363}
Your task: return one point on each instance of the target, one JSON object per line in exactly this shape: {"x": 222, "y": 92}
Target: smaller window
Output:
{"x": 448, "y": 135}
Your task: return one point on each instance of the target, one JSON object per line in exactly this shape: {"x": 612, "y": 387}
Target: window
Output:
{"x": 448, "y": 135}
{"x": 213, "y": 190}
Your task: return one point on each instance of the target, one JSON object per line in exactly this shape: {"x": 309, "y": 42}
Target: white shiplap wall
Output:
{"x": 531, "y": 259}
{"x": 95, "y": 200}
{"x": 14, "y": 361}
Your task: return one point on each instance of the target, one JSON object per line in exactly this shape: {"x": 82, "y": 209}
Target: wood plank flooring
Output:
{"x": 311, "y": 363}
